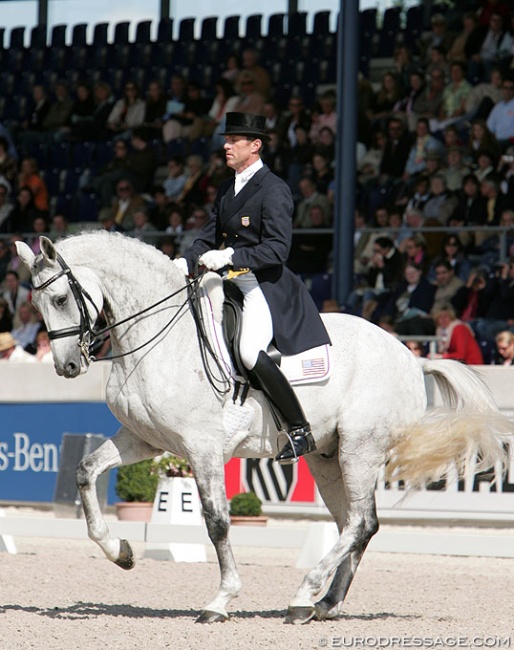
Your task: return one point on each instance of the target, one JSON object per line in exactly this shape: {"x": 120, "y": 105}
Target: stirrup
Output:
{"x": 304, "y": 432}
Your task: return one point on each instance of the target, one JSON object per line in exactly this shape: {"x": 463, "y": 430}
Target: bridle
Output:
{"x": 88, "y": 335}
{"x": 85, "y": 329}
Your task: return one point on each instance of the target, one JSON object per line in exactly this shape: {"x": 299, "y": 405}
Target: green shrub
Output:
{"x": 246, "y": 504}
{"x": 137, "y": 482}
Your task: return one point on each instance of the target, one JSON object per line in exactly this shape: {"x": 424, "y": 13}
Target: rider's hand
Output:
{"x": 215, "y": 260}
{"x": 181, "y": 264}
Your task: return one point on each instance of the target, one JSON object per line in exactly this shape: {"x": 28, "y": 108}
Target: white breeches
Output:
{"x": 257, "y": 327}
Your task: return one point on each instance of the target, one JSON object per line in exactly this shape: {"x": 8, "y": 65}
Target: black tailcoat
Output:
{"x": 257, "y": 224}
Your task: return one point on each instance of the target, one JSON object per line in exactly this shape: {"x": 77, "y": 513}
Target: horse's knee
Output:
{"x": 218, "y": 524}
{"x": 83, "y": 475}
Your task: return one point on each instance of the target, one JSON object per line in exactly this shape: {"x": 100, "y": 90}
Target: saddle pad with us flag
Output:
{"x": 307, "y": 367}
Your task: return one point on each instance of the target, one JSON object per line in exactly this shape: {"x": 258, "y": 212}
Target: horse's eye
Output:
{"x": 61, "y": 300}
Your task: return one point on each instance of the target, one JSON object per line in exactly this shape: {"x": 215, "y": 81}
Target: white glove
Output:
{"x": 215, "y": 260}
{"x": 181, "y": 264}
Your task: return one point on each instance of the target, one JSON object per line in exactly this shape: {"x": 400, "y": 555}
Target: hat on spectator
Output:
{"x": 246, "y": 124}
{"x": 6, "y": 341}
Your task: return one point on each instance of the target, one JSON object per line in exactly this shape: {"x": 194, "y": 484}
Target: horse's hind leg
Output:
{"x": 350, "y": 497}
{"x": 121, "y": 449}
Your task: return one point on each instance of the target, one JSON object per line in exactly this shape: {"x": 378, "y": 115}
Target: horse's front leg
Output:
{"x": 121, "y": 449}
{"x": 210, "y": 478}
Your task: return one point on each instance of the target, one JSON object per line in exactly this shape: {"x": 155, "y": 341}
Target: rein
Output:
{"x": 85, "y": 330}
{"x": 88, "y": 335}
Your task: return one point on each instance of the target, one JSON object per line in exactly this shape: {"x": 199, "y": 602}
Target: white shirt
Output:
{"x": 242, "y": 179}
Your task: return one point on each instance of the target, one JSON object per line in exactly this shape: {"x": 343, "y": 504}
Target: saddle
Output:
{"x": 232, "y": 324}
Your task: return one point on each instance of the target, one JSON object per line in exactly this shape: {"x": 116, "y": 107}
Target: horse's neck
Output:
{"x": 133, "y": 278}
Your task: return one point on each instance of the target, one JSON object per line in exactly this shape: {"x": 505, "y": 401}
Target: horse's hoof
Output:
{"x": 300, "y": 615}
{"x": 325, "y": 612}
{"x": 126, "y": 557}
{"x": 211, "y": 617}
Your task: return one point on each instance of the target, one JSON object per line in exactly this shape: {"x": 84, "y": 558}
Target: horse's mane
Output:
{"x": 118, "y": 252}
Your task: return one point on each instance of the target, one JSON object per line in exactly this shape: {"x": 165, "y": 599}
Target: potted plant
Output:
{"x": 136, "y": 486}
{"x": 246, "y": 510}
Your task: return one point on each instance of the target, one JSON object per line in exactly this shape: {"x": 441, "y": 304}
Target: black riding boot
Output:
{"x": 279, "y": 390}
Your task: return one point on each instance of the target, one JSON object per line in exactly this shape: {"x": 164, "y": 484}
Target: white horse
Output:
{"x": 373, "y": 406}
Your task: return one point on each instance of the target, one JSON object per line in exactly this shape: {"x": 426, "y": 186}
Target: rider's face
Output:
{"x": 240, "y": 151}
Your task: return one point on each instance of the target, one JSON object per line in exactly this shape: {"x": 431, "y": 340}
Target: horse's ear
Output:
{"x": 47, "y": 249}
{"x": 25, "y": 253}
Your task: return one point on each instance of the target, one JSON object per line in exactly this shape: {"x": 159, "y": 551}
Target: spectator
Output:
{"x": 261, "y": 77}
{"x": 174, "y": 183}
{"x": 441, "y": 203}
{"x": 455, "y": 171}
{"x": 438, "y": 62}
{"x": 423, "y": 143}
{"x": 127, "y": 113}
{"x": 322, "y": 172}
{"x": 483, "y": 97}
{"x": 11, "y": 350}
{"x": 447, "y": 284}
{"x": 155, "y": 108}
{"x": 167, "y": 246}
{"x": 383, "y": 277}
{"x": 175, "y": 222}
{"x": 5, "y": 316}
{"x": 501, "y": 118}
{"x": 8, "y": 164}
{"x": 416, "y": 219}
{"x": 60, "y": 227}
{"x": 59, "y": 111}
{"x": 453, "y": 252}
{"x": 15, "y": 294}
{"x": 38, "y": 110}
{"x": 404, "y": 66}
{"x": 39, "y": 227}
{"x": 250, "y": 100}
{"x": 404, "y": 108}
{"x": 23, "y": 213}
{"x": 193, "y": 192}
{"x": 5, "y": 206}
{"x": 504, "y": 348}
{"x": 429, "y": 101}
{"x": 471, "y": 206}
{"x": 30, "y": 177}
{"x": 81, "y": 114}
{"x": 439, "y": 35}
{"x": 414, "y": 251}
{"x": 485, "y": 164}
{"x": 188, "y": 122}
{"x": 496, "y": 201}
{"x": 472, "y": 301}
{"x": 143, "y": 229}
{"x": 481, "y": 139}
{"x": 368, "y": 167}
{"x": 457, "y": 340}
{"x": 194, "y": 224}
{"x": 232, "y": 68}
{"x": 296, "y": 115}
{"x": 459, "y": 50}
{"x": 385, "y": 100}
{"x": 43, "y": 349}
{"x": 126, "y": 203}
{"x": 310, "y": 197}
{"x": 96, "y": 129}
{"x": 224, "y": 101}
{"x": 492, "y": 48}
{"x": 411, "y": 301}
{"x": 323, "y": 115}
{"x": 416, "y": 347}
{"x": 25, "y": 332}
{"x": 104, "y": 182}
{"x": 455, "y": 95}
{"x": 107, "y": 221}
{"x": 309, "y": 253}
{"x": 298, "y": 158}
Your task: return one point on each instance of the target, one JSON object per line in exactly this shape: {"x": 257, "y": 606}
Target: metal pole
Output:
{"x": 165, "y": 9}
{"x": 346, "y": 143}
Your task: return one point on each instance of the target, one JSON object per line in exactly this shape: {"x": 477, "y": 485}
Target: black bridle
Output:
{"x": 88, "y": 336}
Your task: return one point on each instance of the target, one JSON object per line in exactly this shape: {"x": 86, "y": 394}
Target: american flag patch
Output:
{"x": 312, "y": 367}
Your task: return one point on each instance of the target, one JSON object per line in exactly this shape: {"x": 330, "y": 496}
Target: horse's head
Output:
{"x": 69, "y": 301}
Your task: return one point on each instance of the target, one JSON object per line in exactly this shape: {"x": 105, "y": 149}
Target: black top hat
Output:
{"x": 246, "y": 124}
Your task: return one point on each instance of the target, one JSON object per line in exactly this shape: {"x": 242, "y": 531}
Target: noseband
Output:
{"x": 84, "y": 329}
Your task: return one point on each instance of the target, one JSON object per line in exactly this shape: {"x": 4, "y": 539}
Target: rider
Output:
{"x": 250, "y": 231}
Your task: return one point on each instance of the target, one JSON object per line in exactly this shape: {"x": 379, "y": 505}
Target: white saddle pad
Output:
{"x": 308, "y": 367}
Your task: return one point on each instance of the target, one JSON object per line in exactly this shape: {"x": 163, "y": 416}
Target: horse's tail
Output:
{"x": 468, "y": 428}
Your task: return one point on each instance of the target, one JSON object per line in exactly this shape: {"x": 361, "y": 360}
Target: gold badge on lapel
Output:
{"x": 245, "y": 221}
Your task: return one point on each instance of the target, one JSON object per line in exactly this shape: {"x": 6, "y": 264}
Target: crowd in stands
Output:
{"x": 435, "y": 150}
